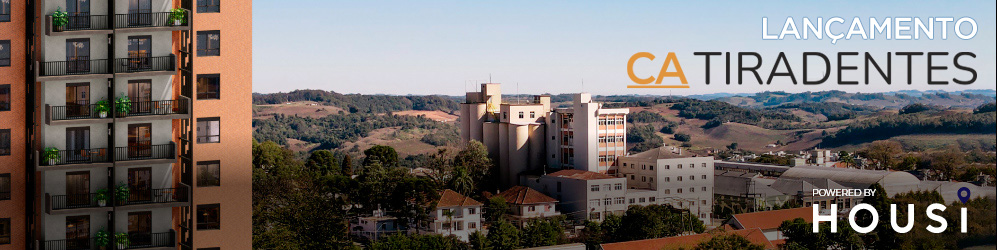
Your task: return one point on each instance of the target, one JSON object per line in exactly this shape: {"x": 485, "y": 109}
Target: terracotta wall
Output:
{"x": 14, "y": 75}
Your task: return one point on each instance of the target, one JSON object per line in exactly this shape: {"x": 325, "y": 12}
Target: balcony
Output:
{"x": 145, "y": 154}
{"x": 146, "y": 65}
{"x": 145, "y": 22}
{"x": 152, "y": 240}
{"x": 75, "y": 203}
{"x": 157, "y": 110}
{"x": 156, "y": 198}
{"x": 75, "y": 114}
{"x": 80, "y": 24}
{"x": 75, "y": 159}
{"x": 70, "y": 244}
{"x": 81, "y": 68}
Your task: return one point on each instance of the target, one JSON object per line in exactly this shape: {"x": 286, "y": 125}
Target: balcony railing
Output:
{"x": 70, "y": 244}
{"x": 78, "y": 156}
{"x": 145, "y": 64}
{"x": 144, "y": 20}
{"x": 139, "y": 241}
{"x": 77, "y": 112}
{"x": 156, "y": 196}
{"x": 145, "y": 152}
{"x": 83, "y": 22}
{"x": 80, "y": 66}
{"x": 74, "y": 201}
{"x": 150, "y": 108}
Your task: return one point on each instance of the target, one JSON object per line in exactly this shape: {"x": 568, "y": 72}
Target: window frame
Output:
{"x": 208, "y": 120}
{"x": 5, "y": 144}
{"x": 5, "y": 97}
{"x": 208, "y": 94}
{"x": 209, "y": 225}
{"x": 5, "y": 231}
{"x": 204, "y": 50}
{"x": 207, "y": 7}
{"x": 5, "y": 53}
{"x": 5, "y": 187}
{"x": 217, "y": 179}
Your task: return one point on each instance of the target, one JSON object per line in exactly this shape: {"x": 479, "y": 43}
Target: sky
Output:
{"x": 532, "y": 47}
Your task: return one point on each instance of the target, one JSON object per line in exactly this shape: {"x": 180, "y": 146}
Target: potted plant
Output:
{"x": 177, "y": 16}
{"x": 102, "y": 108}
{"x": 122, "y": 240}
{"x": 51, "y": 155}
{"x": 123, "y": 105}
{"x": 121, "y": 193}
{"x": 102, "y": 197}
{"x": 59, "y": 19}
{"x": 102, "y": 238}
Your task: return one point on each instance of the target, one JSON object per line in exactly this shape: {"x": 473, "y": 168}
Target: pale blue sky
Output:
{"x": 438, "y": 47}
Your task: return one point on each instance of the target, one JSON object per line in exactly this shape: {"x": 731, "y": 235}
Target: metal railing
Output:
{"x": 145, "y": 152}
{"x": 84, "y": 22}
{"x": 76, "y": 112}
{"x": 71, "y": 244}
{"x": 154, "y": 196}
{"x": 145, "y": 64}
{"x": 79, "y": 156}
{"x": 166, "y": 239}
{"x": 80, "y": 66}
{"x": 73, "y": 201}
{"x": 166, "y": 107}
{"x": 142, "y": 20}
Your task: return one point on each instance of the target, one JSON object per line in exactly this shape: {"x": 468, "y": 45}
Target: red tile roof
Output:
{"x": 581, "y": 174}
{"x": 754, "y": 235}
{"x": 766, "y": 220}
{"x": 449, "y": 198}
{"x": 522, "y": 195}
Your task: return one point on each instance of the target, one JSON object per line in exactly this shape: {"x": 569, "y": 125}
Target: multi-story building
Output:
{"x": 527, "y": 204}
{"x": 585, "y": 136}
{"x": 585, "y": 195}
{"x": 123, "y": 104}
{"x": 456, "y": 215}
{"x": 684, "y": 181}
{"x": 15, "y": 194}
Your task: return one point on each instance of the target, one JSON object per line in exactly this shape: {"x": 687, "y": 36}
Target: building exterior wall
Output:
{"x": 15, "y": 120}
{"x": 581, "y": 201}
{"x": 463, "y": 222}
{"x": 689, "y": 186}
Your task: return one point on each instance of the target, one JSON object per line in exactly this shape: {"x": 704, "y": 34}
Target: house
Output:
{"x": 455, "y": 215}
{"x": 754, "y": 235}
{"x": 375, "y": 226}
{"x": 584, "y": 194}
{"x": 769, "y": 221}
{"x": 528, "y": 204}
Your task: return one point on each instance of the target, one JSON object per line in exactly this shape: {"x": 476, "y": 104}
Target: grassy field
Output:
{"x": 405, "y": 142}
{"x": 303, "y": 109}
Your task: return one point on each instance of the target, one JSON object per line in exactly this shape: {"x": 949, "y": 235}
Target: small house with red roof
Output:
{"x": 528, "y": 204}
{"x": 456, "y": 215}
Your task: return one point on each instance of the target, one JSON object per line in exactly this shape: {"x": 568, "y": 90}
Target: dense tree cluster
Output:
{"x": 918, "y": 108}
{"x": 641, "y": 222}
{"x": 644, "y": 138}
{"x": 719, "y": 112}
{"x": 887, "y": 126}
{"x": 834, "y": 111}
{"x": 645, "y": 116}
{"x": 776, "y": 98}
{"x": 333, "y": 130}
{"x": 989, "y": 107}
{"x": 357, "y": 103}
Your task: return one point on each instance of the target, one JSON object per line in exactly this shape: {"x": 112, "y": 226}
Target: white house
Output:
{"x": 456, "y": 215}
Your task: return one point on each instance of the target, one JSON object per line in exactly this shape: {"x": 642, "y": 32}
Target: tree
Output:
{"x": 322, "y": 162}
{"x": 732, "y": 146}
{"x": 728, "y": 241}
{"x": 502, "y": 235}
{"x": 419, "y": 242}
{"x": 496, "y": 209}
{"x": 682, "y": 137}
{"x": 479, "y": 241}
{"x": 347, "y": 165}
{"x": 543, "y": 232}
{"x": 656, "y": 221}
{"x": 592, "y": 235}
{"x": 473, "y": 159}
{"x": 412, "y": 200}
{"x": 884, "y": 153}
{"x": 947, "y": 161}
{"x": 385, "y": 155}
{"x": 799, "y": 235}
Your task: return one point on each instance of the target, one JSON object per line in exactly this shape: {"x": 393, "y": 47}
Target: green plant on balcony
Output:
{"x": 102, "y": 108}
{"x": 102, "y": 238}
{"x": 178, "y": 17}
{"x": 59, "y": 19}
{"x": 121, "y": 193}
{"x": 51, "y": 155}
{"x": 123, "y": 105}
{"x": 102, "y": 196}
{"x": 122, "y": 240}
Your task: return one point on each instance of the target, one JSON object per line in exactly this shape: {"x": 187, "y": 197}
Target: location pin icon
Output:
{"x": 963, "y": 194}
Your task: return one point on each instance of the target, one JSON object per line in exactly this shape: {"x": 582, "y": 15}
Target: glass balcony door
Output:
{"x": 139, "y": 140}
{"x": 77, "y": 145}
{"x": 78, "y": 55}
{"x": 78, "y": 188}
{"x": 79, "y": 14}
{"x": 139, "y": 184}
{"x": 140, "y": 228}
{"x": 139, "y": 52}
{"x": 78, "y": 232}
{"x": 139, "y": 12}
{"x": 78, "y": 100}
{"x": 140, "y": 93}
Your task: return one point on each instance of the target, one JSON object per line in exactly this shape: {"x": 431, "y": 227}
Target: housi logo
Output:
{"x": 646, "y": 81}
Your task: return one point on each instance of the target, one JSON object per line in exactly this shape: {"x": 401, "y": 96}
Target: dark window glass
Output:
{"x": 208, "y": 86}
{"x": 5, "y": 96}
{"x": 4, "y": 231}
{"x": 209, "y": 43}
{"x": 4, "y": 52}
{"x": 208, "y": 173}
{"x": 4, "y": 141}
{"x": 5, "y": 10}
{"x": 208, "y": 130}
{"x": 208, "y": 6}
{"x": 4, "y": 187}
{"x": 207, "y": 217}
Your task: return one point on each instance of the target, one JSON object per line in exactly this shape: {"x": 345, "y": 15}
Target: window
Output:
{"x": 446, "y": 226}
{"x": 618, "y": 186}
{"x": 208, "y": 174}
{"x": 472, "y": 211}
{"x": 595, "y": 188}
{"x": 651, "y": 168}
{"x": 668, "y": 166}
{"x": 209, "y": 43}
{"x": 667, "y": 179}
{"x": 606, "y": 187}
{"x": 207, "y": 217}
{"x": 208, "y": 6}
{"x": 594, "y": 203}
{"x": 668, "y": 191}
{"x": 704, "y": 165}
{"x": 651, "y": 199}
{"x": 650, "y": 179}
{"x": 5, "y": 52}
{"x": 533, "y": 114}
{"x": 4, "y": 142}
{"x": 680, "y": 178}
{"x": 472, "y": 225}
{"x": 4, "y": 231}
{"x": 692, "y": 177}
{"x": 4, "y": 10}
{"x": 559, "y": 186}
{"x": 520, "y": 114}
{"x": 692, "y": 190}
{"x": 208, "y": 130}
{"x": 704, "y": 189}
{"x": 4, "y": 187}
{"x": 5, "y": 96}
{"x": 680, "y": 166}
{"x": 618, "y": 200}
{"x": 704, "y": 177}
{"x": 594, "y": 216}
{"x": 631, "y": 200}
{"x": 678, "y": 190}
{"x": 460, "y": 225}
{"x": 533, "y": 208}
{"x": 607, "y": 201}
{"x": 208, "y": 87}
{"x": 642, "y": 200}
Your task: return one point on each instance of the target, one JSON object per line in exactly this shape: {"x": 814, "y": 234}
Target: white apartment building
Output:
{"x": 456, "y": 215}
{"x": 530, "y": 135}
{"x": 684, "y": 181}
{"x": 585, "y": 195}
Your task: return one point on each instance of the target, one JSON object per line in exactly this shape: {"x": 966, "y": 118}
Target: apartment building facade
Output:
{"x": 114, "y": 135}
{"x": 585, "y": 195}
{"x": 684, "y": 181}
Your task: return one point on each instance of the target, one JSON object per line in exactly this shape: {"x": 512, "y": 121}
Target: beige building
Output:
{"x": 584, "y": 136}
{"x": 527, "y": 204}
{"x": 684, "y": 181}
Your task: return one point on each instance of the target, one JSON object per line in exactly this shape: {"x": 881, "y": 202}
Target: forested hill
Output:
{"x": 894, "y": 100}
{"x": 361, "y": 103}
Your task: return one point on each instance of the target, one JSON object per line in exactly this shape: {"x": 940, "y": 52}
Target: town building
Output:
{"x": 769, "y": 221}
{"x": 684, "y": 181}
{"x": 527, "y": 204}
{"x": 585, "y": 195}
{"x": 376, "y": 225}
{"x": 456, "y": 215}
{"x": 112, "y": 120}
